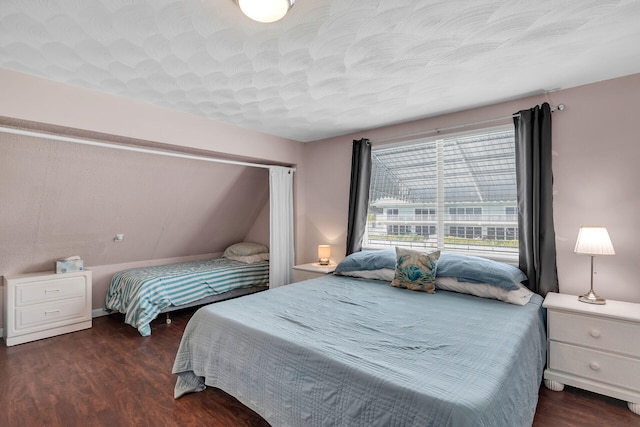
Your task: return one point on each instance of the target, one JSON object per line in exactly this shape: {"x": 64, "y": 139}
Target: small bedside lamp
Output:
{"x": 593, "y": 241}
{"x": 324, "y": 254}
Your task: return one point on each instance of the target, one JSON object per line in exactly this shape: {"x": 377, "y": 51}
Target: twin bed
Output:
{"x": 350, "y": 350}
{"x": 141, "y": 294}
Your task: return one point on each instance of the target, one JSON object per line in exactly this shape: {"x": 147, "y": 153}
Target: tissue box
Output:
{"x": 69, "y": 266}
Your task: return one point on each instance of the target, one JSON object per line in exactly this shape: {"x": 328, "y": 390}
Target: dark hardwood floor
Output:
{"x": 111, "y": 376}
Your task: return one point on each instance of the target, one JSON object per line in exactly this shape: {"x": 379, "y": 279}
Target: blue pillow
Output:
{"x": 368, "y": 260}
{"x": 474, "y": 269}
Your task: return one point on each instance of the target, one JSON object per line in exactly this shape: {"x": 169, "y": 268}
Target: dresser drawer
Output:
{"x": 42, "y": 305}
{"x": 596, "y": 332}
{"x": 596, "y": 365}
{"x": 50, "y": 313}
{"x": 50, "y": 290}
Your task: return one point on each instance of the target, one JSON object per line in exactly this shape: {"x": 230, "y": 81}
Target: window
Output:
{"x": 465, "y": 211}
{"x": 424, "y": 212}
{"x": 502, "y": 233}
{"x": 466, "y": 232}
{"x": 396, "y": 230}
{"x": 456, "y": 194}
{"x": 425, "y": 230}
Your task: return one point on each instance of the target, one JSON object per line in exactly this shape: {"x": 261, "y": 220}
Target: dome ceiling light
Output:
{"x": 265, "y": 11}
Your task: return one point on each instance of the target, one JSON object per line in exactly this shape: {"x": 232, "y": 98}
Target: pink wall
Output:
{"x": 44, "y": 101}
{"x": 596, "y": 151}
{"x": 35, "y": 99}
{"x": 62, "y": 199}
{"x": 59, "y": 199}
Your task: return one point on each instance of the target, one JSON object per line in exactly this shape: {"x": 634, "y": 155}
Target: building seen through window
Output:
{"x": 457, "y": 194}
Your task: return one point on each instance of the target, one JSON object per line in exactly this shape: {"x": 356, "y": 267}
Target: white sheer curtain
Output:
{"x": 281, "y": 225}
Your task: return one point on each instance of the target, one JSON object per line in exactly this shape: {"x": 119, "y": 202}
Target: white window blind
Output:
{"x": 456, "y": 194}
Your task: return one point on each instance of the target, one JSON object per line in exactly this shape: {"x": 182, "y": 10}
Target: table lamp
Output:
{"x": 324, "y": 254}
{"x": 593, "y": 241}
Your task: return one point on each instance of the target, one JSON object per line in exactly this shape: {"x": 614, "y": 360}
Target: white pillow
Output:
{"x": 249, "y": 259}
{"x": 245, "y": 248}
{"x": 484, "y": 290}
{"x": 386, "y": 274}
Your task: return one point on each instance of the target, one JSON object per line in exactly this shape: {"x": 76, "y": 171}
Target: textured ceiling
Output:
{"x": 330, "y": 67}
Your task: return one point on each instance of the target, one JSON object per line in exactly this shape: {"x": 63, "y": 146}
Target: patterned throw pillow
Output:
{"x": 416, "y": 270}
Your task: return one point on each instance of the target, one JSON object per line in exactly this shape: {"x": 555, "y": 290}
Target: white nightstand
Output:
{"x": 311, "y": 271}
{"x": 42, "y": 305}
{"x": 594, "y": 347}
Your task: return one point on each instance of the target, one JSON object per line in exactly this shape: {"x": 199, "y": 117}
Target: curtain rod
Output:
{"x": 559, "y": 107}
{"x": 135, "y": 149}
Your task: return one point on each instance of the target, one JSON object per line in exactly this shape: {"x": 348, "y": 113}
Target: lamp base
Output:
{"x": 591, "y": 298}
{"x": 324, "y": 261}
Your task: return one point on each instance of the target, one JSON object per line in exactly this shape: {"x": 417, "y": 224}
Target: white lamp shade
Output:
{"x": 594, "y": 241}
{"x": 324, "y": 252}
{"x": 265, "y": 11}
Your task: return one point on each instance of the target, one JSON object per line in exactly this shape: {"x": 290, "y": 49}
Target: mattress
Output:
{"x": 142, "y": 293}
{"x": 344, "y": 351}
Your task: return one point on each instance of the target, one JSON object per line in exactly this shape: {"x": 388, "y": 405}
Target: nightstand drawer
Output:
{"x": 596, "y": 332}
{"x": 50, "y": 290}
{"x": 596, "y": 365}
{"x": 49, "y": 314}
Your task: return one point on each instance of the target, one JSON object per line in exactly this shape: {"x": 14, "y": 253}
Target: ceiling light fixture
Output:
{"x": 265, "y": 11}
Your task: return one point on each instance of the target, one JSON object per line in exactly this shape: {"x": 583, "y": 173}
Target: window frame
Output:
{"x": 471, "y": 213}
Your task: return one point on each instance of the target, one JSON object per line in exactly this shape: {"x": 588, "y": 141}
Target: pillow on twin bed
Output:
{"x": 249, "y": 259}
{"x": 416, "y": 270}
{"x": 245, "y": 249}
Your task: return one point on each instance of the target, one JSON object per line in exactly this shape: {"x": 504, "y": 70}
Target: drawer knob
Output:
{"x": 595, "y": 366}
{"x": 595, "y": 333}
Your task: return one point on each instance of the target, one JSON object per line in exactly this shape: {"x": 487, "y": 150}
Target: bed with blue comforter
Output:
{"x": 142, "y": 293}
{"x": 344, "y": 351}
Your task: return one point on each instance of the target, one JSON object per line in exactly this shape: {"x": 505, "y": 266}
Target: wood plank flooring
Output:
{"x": 111, "y": 376}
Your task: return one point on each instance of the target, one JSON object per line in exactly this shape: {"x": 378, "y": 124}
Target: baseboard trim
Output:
{"x": 99, "y": 312}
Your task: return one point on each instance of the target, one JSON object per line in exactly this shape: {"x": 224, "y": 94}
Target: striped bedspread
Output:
{"x": 141, "y": 293}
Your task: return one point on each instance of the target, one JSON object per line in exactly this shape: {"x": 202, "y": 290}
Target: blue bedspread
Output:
{"x": 340, "y": 351}
{"x": 141, "y": 293}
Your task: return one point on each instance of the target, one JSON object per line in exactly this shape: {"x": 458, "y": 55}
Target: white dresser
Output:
{"x": 594, "y": 347}
{"x": 41, "y": 305}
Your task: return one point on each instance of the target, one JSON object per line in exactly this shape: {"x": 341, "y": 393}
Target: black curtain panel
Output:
{"x": 358, "y": 194}
{"x": 535, "y": 198}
